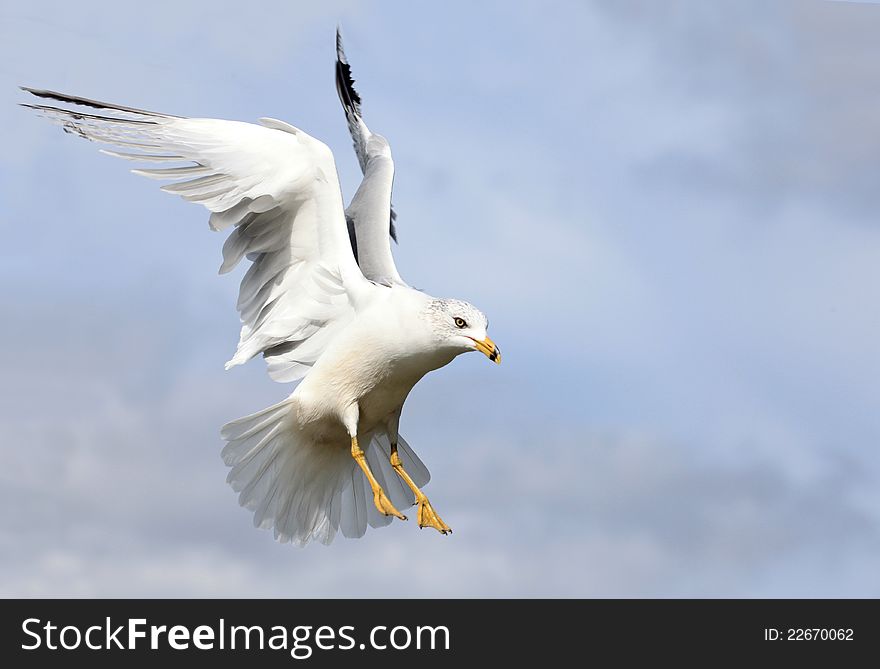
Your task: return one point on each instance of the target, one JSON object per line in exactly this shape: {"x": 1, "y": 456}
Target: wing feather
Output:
{"x": 370, "y": 214}
{"x": 277, "y": 186}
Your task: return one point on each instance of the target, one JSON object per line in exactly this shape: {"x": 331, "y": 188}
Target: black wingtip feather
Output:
{"x": 348, "y": 96}
{"x": 78, "y": 116}
{"x": 86, "y": 102}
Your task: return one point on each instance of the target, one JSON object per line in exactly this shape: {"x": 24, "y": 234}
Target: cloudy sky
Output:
{"x": 669, "y": 211}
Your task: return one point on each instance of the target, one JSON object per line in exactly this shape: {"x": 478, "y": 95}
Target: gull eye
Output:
{"x": 460, "y": 322}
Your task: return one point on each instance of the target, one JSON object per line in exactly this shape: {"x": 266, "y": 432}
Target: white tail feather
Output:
{"x": 307, "y": 491}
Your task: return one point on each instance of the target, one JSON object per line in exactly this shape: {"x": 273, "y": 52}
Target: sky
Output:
{"x": 668, "y": 210}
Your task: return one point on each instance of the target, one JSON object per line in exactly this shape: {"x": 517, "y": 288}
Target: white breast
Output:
{"x": 374, "y": 363}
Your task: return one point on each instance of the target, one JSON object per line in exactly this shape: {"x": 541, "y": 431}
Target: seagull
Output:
{"x": 322, "y": 302}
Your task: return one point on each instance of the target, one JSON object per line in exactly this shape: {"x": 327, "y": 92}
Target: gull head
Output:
{"x": 461, "y": 327}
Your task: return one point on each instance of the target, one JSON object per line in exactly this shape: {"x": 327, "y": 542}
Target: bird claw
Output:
{"x": 380, "y": 499}
{"x": 427, "y": 517}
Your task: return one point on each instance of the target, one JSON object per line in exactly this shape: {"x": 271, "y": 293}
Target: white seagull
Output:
{"x": 322, "y": 302}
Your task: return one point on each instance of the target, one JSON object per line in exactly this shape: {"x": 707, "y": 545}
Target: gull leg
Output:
{"x": 427, "y": 517}
{"x": 380, "y": 499}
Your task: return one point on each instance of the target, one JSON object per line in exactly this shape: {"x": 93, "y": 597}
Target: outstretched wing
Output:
{"x": 278, "y": 187}
{"x": 370, "y": 216}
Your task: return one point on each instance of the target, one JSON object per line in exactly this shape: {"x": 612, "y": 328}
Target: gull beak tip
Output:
{"x": 489, "y": 349}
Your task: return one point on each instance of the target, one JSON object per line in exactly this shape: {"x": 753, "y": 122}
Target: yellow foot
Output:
{"x": 429, "y": 518}
{"x": 385, "y": 506}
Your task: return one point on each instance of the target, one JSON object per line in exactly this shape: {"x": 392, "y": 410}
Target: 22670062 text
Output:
{"x": 808, "y": 634}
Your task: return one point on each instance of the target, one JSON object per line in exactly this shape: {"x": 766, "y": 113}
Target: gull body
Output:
{"x": 322, "y": 303}
{"x": 373, "y": 365}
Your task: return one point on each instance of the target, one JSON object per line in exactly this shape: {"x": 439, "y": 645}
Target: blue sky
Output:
{"x": 667, "y": 209}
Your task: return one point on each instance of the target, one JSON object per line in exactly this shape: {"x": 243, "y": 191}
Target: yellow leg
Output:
{"x": 380, "y": 499}
{"x": 427, "y": 517}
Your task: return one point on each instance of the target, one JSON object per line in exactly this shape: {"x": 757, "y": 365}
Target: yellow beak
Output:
{"x": 488, "y": 347}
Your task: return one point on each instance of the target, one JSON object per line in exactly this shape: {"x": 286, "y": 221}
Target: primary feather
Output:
{"x": 370, "y": 214}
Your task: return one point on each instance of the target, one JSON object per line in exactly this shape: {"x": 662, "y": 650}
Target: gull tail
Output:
{"x": 308, "y": 491}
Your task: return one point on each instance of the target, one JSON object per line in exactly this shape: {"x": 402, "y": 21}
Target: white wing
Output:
{"x": 370, "y": 216}
{"x": 278, "y": 187}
